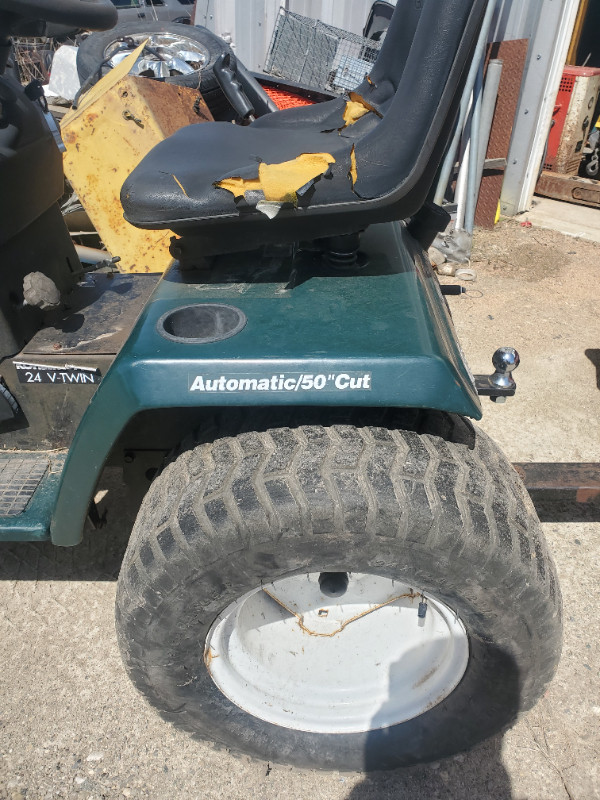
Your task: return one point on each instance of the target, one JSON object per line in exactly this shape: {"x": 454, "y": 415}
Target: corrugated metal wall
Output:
{"x": 548, "y": 24}
{"x": 350, "y": 15}
{"x": 249, "y": 24}
{"x": 516, "y": 19}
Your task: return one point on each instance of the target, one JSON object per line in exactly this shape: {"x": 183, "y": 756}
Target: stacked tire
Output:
{"x": 93, "y": 49}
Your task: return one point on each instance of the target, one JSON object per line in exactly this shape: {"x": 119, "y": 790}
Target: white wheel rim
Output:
{"x": 291, "y": 655}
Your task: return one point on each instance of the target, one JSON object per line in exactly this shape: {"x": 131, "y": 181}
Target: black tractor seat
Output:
{"x": 321, "y": 170}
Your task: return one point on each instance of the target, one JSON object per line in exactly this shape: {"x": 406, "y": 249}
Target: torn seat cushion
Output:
{"x": 178, "y": 180}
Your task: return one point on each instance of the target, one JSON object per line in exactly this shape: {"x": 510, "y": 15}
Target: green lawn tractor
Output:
{"x": 332, "y": 566}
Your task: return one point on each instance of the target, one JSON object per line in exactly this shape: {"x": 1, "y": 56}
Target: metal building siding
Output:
{"x": 548, "y": 24}
{"x": 350, "y": 15}
{"x": 249, "y": 23}
{"x": 516, "y": 19}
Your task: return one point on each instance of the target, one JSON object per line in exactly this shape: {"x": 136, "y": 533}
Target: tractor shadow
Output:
{"x": 477, "y": 774}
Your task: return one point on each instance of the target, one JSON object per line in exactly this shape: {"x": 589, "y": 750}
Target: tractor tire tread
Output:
{"x": 383, "y": 482}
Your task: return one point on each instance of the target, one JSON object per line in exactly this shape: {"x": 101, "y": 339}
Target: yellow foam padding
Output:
{"x": 356, "y": 107}
{"x": 353, "y": 172}
{"x": 353, "y": 112}
{"x": 239, "y": 186}
{"x": 280, "y": 182}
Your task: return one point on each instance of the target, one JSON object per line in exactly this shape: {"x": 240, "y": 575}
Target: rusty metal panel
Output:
{"x": 575, "y": 482}
{"x": 100, "y": 315}
{"x": 106, "y": 138}
{"x": 513, "y": 55}
{"x": 570, "y": 188}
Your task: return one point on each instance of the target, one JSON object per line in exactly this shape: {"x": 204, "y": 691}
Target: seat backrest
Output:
{"x": 430, "y": 72}
{"x": 387, "y": 70}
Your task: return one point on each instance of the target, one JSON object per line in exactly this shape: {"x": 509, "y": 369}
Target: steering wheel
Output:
{"x": 95, "y": 15}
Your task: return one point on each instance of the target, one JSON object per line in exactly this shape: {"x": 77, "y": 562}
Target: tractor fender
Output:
{"x": 380, "y": 338}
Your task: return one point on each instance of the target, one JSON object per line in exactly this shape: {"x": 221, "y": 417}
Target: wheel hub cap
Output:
{"x": 374, "y": 656}
{"x": 165, "y": 54}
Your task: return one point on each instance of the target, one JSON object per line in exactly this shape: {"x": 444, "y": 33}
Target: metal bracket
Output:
{"x": 96, "y": 519}
{"x": 567, "y": 483}
{"x": 489, "y": 165}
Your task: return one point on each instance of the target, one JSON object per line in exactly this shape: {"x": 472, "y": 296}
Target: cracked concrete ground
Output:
{"x": 72, "y": 726}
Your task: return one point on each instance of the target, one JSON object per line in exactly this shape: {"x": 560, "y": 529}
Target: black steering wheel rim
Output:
{"x": 98, "y": 15}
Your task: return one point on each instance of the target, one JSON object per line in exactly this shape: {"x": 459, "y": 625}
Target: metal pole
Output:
{"x": 460, "y": 191}
{"x": 91, "y": 255}
{"x": 461, "y": 188}
{"x": 474, "y": 133}
{"x": 488, "y": 107}
{"x": 449, "y": 161}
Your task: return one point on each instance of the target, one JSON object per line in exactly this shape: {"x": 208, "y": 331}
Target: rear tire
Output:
{"x": 440, "y": 510}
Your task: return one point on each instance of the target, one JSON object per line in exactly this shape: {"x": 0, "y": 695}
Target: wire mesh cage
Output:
{"x": 307, "y": 51}
{"x": 34, "y": 58}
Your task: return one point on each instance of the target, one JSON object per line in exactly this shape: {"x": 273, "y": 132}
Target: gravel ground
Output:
{"x": 72, "y": 726}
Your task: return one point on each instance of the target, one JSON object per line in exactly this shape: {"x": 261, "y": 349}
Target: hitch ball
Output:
{"x": 505, "y": 361}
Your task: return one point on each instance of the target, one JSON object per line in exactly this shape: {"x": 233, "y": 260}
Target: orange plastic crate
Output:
{"x": 284, "y": 99}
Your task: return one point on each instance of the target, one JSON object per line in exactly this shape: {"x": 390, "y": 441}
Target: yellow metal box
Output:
{"x": 117, "y": 123}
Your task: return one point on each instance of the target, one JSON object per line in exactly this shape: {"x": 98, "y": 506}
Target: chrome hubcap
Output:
{"x": 165, "y": 54}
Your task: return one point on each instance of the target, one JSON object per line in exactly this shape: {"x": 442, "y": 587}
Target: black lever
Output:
{"x": 225, "y": 71}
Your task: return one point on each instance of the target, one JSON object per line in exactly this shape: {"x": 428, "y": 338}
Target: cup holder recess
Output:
{"x": 201, "y": 323}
